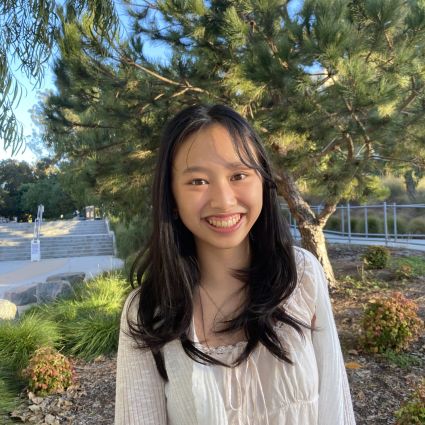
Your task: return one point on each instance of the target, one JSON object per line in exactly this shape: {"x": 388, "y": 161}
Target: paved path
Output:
{"x": 22, "y": 273}
{"x": 412, "y": 244}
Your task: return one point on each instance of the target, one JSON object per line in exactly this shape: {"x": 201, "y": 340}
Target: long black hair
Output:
{"x": 167, "y": 269}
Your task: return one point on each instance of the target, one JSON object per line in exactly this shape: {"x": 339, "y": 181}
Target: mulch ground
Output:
{"x": 378, "y": 386}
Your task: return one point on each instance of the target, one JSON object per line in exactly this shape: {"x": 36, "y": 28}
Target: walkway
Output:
{"x": 22, "y": 273}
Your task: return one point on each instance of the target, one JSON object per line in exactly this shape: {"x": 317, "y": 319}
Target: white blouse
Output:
{"x": 261, "y": 391}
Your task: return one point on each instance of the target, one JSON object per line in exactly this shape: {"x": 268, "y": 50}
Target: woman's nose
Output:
{"x": 222, "y": 196}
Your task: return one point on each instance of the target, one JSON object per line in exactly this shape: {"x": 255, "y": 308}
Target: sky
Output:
{"x": 23, "y": 113}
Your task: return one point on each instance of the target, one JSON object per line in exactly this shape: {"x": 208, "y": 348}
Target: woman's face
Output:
{"x": 218, "y": 198}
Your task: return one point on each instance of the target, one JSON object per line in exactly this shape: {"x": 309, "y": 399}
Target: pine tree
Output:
{"x": 335, "y": 88}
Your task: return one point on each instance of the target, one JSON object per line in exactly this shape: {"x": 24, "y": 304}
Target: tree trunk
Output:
{"x": 410, "y": 183}
{"x": 313, "y": 239}
{"x": 310, "y": 225}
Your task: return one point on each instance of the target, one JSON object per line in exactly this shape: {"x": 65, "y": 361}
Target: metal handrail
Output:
{"x": 391, "y": 233}
{"x": 38, "y": 222}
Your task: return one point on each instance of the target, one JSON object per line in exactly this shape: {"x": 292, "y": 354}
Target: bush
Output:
{"x": 49, "y": 372}
{"x": 93, "y": 335}
{"x": 19, "y": 340}
{"x": 402, "y": 225}
{"x": 413, "y": 411}
{"x": 132, "y": 236}
{"x": 416, "y": 263}
{"x": 404, "y": 271}
{"x": 417, "y": 226}
{"x": 376, "y": 257}
{"x": 89, "y": 323}
{"x": 8, "y": 400}
{"x": 390, "y": 324}
{"x": 129, "y": 261}
{"x": 374, "y": 224}
{"x": 334, "y": 223}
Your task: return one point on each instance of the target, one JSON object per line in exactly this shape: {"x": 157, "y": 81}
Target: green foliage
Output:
{"x": 390, "y": 323}
{"x": 129, "y": 261}
{"x": 89, "y": 322}
{"x": 417, "y": 226}
{"x": 13, "y": 175}
{"x": 48, "y": 372}
{"x": 402, "y": 360}
{"x": 132, "y": 235}
{"x": 47, "y": 191}
{"x": 413, "y": 411}
{"x": 8, "y": 400}
{"x": 329, "y": 89}
{"x": 26, "y": 42}
{"x": 376, "y": 257}
{"x": 415, "y": 265}
{"x": 404, "y": 271}
{"x": 94, "y": 334}
{"x": 19, "y": 340}
{"x": 364, "y": 281}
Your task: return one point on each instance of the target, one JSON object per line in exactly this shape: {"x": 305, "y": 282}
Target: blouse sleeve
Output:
{"x": 335, "y": 406}
{"x": 140, "y": 394}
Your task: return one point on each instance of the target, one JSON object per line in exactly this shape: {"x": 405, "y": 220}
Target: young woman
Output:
{"x": 231, "y": 325}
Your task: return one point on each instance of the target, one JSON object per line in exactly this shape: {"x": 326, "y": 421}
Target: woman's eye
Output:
{"x": 198, "y": 182}
{"x": 239, "y": 176}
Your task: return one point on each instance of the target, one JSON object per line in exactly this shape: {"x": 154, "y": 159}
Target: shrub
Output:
{"x": 376, "y": 257}
{"x": 390, "y": 323}
{"x": 129, "y": 263}
{"x": 132, "y": 235}
{"x": 402, "y": 225}
{"x": 89, "y": 323}
{"x": 404, "y": 271}
{"x": 417, "y": 226}
{"x": 413, "y": 411}
{"x": 48, "y": 372}
{"x": 8, "y": 400}
{"x": 374, "y": 224}
{"x": 334, "y": 223}
{"x": 93, "y": 335}
{"x": 19, "y": 340}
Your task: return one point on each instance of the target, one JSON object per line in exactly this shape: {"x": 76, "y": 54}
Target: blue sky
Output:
{"x": 23, "y": 114}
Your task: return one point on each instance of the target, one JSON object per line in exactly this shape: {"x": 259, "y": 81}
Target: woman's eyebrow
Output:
{"x": 230, "y": 166}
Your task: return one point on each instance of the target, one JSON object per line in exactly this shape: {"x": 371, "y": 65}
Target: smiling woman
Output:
{"x": 218, "y": 198}
{"x": 231, "y": 324}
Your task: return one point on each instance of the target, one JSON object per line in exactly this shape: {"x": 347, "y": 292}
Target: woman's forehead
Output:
{"x": 213, "y": 144}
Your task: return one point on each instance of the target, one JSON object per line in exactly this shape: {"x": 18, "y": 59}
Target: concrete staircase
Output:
{"x": 58, "y": 239}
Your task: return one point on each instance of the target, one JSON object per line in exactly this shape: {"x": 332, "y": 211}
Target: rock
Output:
{"x": 50, "y": 419}
{"x": 72, "y": 278}
{"x": 23, "y": 308}
{"x": 8, "y": 310}
{"x": 49, "y": 291}
{"x": 22, "y": 296}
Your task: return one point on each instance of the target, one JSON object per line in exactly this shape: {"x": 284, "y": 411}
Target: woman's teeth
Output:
{"x": 228, "y": 222}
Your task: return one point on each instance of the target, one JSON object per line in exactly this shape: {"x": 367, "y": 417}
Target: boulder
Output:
{"x": 23, "y": 308}
{"x": 22, "y": 296}
{"x": 72, "y": 278}
{"x": 49, "y": 291}
{"x": 7, "y": 310}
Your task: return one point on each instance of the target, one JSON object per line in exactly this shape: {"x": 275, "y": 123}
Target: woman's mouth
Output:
{"x": 228, "y": 222}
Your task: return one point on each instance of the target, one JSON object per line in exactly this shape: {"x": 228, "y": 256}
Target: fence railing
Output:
{"x": 35, "y": 243}
{"x": 388, "y": 222}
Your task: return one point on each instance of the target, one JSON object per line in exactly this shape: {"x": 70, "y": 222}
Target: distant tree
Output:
{"x": 334, "y": 87}
{"x": 13, "y": 174}
{"x": 49, "y": 192}
{"x": 26, "y": 42}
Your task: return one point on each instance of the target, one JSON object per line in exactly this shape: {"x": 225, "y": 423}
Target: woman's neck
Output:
{"x": 217, "y": 266}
